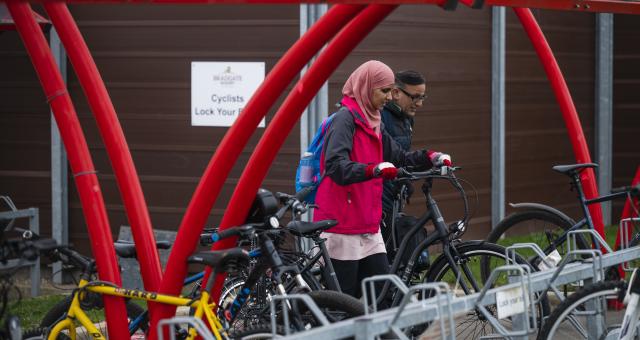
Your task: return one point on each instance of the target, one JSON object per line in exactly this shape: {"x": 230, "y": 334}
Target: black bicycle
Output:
{"x": 548, "y": 227}
{"x": 464, "y": 265}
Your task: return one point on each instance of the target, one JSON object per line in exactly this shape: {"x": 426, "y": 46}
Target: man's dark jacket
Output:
{"x": 400, "y": 126}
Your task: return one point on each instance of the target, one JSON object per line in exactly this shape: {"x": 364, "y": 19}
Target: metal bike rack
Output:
{"x": 34, "y": 225}
{"x": 313, "y": 308}
{"x": 369, "y": 289}
{"x": 442, "y": 293}
{"x": 527, "y": 298}
{"x": 198, "y": 324}
{"x": 511, "y": 253}
{"x": 413, "y": 313}
{"x": 625, "y": 237}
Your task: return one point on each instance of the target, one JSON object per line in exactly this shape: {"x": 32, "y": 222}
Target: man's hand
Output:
{"x": 439, "y": 159}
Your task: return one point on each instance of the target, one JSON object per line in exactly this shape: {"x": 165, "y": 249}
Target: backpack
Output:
{"x": 309, "y": 164}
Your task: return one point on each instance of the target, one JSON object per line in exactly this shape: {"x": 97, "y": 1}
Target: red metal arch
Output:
{"x": 290, "y": 111}
{"x": 236, "y": 138}
{"x": 84, "y": 172}
{"x": 116, "y": 145}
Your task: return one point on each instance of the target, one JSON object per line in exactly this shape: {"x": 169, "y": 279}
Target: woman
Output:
{"x": 357, "y": 155}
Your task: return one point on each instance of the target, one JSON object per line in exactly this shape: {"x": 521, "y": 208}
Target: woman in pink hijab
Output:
{"x": 357, "y": 155}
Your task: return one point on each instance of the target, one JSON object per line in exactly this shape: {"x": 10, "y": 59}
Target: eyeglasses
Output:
{"x": 414, "y": 97}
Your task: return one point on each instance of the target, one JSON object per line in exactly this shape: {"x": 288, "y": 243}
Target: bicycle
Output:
{"x": 549, "y": 226}
{"x": 61, "y": 317}
{"x": 584, "y": 313}
{"x": 459, "y": 264}
{"x": 25, "y": 248}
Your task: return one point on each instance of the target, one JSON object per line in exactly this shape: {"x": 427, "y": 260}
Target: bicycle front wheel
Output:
{"x": 474, "y": 263}
{"x": 584, "y": 313}
{"x": 95, "y": 311}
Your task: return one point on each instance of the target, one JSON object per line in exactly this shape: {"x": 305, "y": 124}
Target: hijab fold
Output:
{"x": 369, "y": 76}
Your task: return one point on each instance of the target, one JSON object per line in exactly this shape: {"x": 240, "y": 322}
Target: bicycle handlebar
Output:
{"x": 293, "y": 202}
{"x": 243, "y": 230}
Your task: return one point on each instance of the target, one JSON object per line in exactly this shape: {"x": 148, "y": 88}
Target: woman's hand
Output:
{"x": 385, "y": 170}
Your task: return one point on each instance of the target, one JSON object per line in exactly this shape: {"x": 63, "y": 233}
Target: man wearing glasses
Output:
{"x": 397, "y": 117}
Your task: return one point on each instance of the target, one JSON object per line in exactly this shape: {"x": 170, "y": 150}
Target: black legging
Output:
{"x": 351, "y": 273}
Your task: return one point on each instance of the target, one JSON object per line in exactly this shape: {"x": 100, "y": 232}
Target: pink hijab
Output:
{"x": 369, "y": 76}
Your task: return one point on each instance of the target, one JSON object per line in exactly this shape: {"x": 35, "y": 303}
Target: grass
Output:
{"x": 31, "y": 310}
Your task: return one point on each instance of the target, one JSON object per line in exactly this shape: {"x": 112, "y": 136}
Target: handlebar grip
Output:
{"x": 302, "y": 194}
{"x": 46, "y": 244}
{"x": 206, "y": 239}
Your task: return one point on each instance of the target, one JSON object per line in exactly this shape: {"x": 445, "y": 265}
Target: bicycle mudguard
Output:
{"x": 539, "y": 206}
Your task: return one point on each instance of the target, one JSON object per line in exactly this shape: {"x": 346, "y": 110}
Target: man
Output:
{"x": 397, "y": 117}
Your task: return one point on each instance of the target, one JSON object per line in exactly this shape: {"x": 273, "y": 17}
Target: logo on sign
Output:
{"x": 227, "y": 77}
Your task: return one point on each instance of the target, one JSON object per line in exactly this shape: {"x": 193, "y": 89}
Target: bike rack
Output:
{"x": 34, "y": 225}
{"x": 286, "y": 298}
{"x": 510, "y": 253}
{"x": 417, "y": 312}
{"x": 394, "y": 279}
{"x": 198, "y": 324}
{"x": 625, "y": 238}
{"x": 525, "y": 273}
{"x": 440, "y": 289}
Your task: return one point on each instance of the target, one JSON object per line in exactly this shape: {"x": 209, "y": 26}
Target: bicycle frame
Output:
{"x": 75, "y": 312}
{"x": 441, "y": 233}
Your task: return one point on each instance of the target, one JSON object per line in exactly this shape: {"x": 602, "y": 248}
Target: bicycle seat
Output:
{"x": 573, "y": 168}
{"x": 127, "y": 250}
{"x": 223, "y": 260}
{"x": 306, "y": 229}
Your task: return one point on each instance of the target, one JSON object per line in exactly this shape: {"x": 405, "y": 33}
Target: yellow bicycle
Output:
{"x": 75, "y": 322}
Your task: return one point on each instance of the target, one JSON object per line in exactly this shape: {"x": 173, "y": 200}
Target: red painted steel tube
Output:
{"x": 569, "y": 113}
{"x": 236, "y": 138}
{"x": 116, "y": 145}
{"x": 289, "y": 113}
{"x": 78, "y": 153}
{"x": 594, "y": 6}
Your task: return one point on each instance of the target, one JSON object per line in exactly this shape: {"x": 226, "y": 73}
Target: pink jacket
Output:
{"x": 357, "y": 206}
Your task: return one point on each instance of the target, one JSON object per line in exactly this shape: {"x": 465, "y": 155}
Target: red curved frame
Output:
{"x": 116, "y": 145}
{"x": 234, "y": 141}
{"x": 84, "y": 172}
{"x": 289, "y": 113}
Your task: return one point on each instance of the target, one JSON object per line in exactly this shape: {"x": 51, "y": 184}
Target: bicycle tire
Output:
{"x": 256, "y": 332}
{"x": 477, "y": 253}
{"x": 553, "y": 326}
{"x": 95, "y": 312}
{"x": 539, "y": 224}
{"x": 34, "y": 334}
{"x": 329, "y": 300}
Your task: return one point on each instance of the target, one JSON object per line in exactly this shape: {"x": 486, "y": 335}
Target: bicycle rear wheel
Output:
{"x": 584, "y": 313}
{"x": 477, "y": 259}
{"x": 538, "y": 226}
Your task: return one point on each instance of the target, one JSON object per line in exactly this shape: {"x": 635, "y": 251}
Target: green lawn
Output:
{"x": 31, "y": 310}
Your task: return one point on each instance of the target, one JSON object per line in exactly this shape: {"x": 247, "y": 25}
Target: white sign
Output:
{"x": 221, "y": 90}
{"x": 510, "y": 302}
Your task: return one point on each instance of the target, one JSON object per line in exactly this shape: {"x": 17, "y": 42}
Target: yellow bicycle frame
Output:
{"x": 75, "y": 314}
